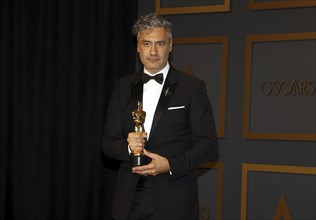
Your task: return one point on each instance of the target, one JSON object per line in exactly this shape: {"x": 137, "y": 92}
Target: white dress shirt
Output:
{"x": 151, "y": 95}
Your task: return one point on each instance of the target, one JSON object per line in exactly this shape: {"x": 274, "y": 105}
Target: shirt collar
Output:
{"x": 164, "y": 71}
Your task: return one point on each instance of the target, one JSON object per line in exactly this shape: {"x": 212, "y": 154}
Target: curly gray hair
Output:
{"x": 150, "y": 21}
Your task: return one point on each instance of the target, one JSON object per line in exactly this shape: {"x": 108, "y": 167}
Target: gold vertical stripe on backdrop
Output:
{"x": 219, "y": 185}
{"x": 253, "y": 5}
{"x": 192, "y": 9}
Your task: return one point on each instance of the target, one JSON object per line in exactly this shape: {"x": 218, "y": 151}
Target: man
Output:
{"x": 179, "y": 135}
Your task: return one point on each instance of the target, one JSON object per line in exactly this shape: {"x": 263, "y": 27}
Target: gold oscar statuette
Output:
{"x": 139, "y": 115}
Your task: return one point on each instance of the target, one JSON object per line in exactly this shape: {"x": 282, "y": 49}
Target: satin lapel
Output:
{"x": 166, "y": 94}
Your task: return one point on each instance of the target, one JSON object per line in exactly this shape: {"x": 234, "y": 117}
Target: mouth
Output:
{"x": 153, "y": 59}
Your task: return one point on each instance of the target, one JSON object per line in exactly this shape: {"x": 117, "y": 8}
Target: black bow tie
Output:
{"x": 158, "y": 78}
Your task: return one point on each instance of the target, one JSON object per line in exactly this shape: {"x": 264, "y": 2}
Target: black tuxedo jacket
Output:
{"x": 183, "y": 131}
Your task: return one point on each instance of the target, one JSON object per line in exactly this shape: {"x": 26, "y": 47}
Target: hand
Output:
{"x": 136, "y": 141}
{"x": 157, "y": 165}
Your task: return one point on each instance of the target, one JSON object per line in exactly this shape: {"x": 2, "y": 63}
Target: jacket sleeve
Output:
{"x": 114, "y": 143}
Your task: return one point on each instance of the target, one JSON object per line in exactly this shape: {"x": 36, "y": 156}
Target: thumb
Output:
{"x": 148, "y": 153}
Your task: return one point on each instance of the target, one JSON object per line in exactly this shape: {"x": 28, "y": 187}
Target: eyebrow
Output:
{"x": 160, "y": 41}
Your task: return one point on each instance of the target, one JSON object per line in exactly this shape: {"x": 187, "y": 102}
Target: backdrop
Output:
{"x": 267, "y": 149}
{"x": 58, "y": 62}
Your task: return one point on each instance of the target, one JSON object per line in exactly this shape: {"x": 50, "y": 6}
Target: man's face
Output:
{"x": 154, "y": 47}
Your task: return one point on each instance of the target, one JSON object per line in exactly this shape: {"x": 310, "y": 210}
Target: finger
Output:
{"x": 140, "y": 169}
{"x": 143, "y": 169}
{"x": 137, "y": 141}
{"x": 144, "y": 135}
{"x": 145, "y": 173}
{"x": 133, "y": 135}
{"x": 136, "y": 144}
{"x": 136, "y": 148}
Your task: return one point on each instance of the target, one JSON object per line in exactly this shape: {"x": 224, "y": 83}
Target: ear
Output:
{"x": 170, "y": 49}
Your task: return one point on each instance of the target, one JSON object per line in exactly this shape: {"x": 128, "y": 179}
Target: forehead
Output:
{"x": 158, "y": 33}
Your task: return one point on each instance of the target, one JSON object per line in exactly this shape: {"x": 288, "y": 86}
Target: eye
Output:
{"x": 161, "y": 44}
{"x": 146, "y": 44}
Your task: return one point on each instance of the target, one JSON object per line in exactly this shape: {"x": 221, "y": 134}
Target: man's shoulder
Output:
{"x": 133, "y": 77}
{"x": 184, "y": 77}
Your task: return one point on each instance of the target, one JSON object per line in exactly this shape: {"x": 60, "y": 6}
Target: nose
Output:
{"x": 153, "y": 49}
